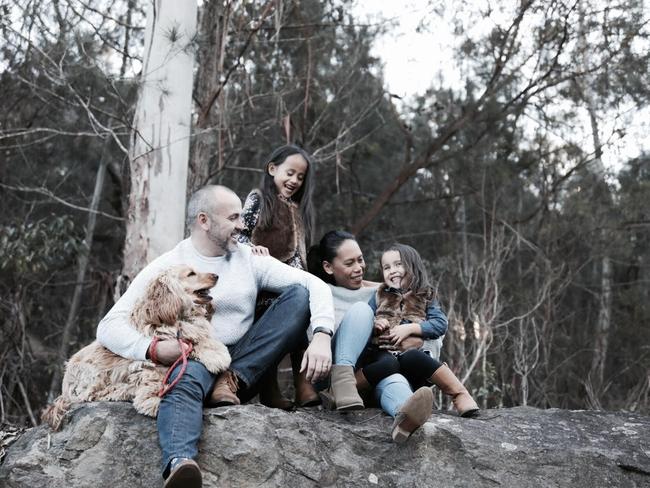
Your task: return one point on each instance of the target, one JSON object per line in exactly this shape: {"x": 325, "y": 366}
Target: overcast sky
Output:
{"x": 413, "y": 61}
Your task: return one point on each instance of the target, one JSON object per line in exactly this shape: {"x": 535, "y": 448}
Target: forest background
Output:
{"x": 538, "y": 246}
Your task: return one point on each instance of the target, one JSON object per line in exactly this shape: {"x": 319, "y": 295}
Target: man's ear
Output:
{"x": 202, "y": 218}
{"x": 328, "y": 268}
{"x": 271, "y": 169}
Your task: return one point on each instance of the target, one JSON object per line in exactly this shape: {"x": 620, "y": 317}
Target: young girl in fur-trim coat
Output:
{"x": 405, "y": 306}
{"x": 278, "y": 221}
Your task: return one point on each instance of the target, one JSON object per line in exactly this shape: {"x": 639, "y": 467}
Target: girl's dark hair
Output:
{"x": 326, "y": 250}
{"x": 413, "y": 265}
{"x": 303, "y": 196}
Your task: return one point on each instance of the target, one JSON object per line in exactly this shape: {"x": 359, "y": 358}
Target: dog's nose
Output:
{"x": 214, "y": 276}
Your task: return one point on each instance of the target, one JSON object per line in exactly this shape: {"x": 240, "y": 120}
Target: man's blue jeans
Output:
{"x": 279, "y": 331}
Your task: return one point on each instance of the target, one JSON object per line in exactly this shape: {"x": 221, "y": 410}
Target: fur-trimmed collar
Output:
{"x": 399, "y": 306}
{"x": 286, "y": 234}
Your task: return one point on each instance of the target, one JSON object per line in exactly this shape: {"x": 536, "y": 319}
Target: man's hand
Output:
{"x": 260, "y": 251}
{"x": 168, "y": 351}
{"x": 317, "y": 360}
{"x": 381, "y": 324}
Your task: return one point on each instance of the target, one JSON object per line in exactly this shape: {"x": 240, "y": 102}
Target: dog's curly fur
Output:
{"x": 176, "y": 302}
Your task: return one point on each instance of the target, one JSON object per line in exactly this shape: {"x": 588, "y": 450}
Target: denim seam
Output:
{"x": 241, "y": 377}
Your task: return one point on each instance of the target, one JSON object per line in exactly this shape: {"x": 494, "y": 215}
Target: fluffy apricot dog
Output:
{"x": 176, "y": 304}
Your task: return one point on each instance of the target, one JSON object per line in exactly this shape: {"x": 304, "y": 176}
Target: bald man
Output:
{"x": 305, "y": 303}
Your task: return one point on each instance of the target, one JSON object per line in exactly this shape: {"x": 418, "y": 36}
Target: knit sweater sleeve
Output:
{"x": 115, "y": 331}
{"x": 250, "y": 214}
{"x": 272, "y": 275}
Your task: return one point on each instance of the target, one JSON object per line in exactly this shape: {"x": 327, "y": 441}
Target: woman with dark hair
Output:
{"x": 338, "y": 260}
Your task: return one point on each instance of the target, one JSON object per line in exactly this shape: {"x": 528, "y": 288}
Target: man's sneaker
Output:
{"x": 224, "y": 391}
{"x": 183, "y": 473}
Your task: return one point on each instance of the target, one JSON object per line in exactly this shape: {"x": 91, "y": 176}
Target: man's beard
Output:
{"x": 228, "y": 254}
{"x": 226, "y": 244}
{"x": 228, "y": 247}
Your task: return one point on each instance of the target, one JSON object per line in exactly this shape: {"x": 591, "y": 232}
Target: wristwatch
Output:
{"x": 324, "y": 330}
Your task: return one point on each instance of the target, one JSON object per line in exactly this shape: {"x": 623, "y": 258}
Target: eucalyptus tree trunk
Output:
{"x": 82, "y": 267}
{"x": 603, "y": 322}
{"x": 208, "y": 138}
{"x": 159, "y": 147}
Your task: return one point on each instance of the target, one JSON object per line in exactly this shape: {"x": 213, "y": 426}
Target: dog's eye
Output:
{"x": 191, "y": 273}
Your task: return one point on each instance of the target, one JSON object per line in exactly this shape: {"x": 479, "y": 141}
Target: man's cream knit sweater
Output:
{"x": 241, "y": 276}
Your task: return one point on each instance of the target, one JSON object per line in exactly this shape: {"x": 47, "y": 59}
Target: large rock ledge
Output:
{"x": 109, "y": 444}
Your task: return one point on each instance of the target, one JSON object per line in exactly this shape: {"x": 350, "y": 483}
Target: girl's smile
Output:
{"x": 289, "y": 175}
{"x": 393, "y": 269}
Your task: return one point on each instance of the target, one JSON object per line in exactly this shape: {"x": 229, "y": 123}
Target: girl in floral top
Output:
{"x": 278, "y": 221}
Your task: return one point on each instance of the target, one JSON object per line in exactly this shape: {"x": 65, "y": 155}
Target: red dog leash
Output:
{"x": 185, "y": 353}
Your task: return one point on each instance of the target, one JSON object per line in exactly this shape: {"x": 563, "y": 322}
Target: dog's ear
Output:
{"x": 164, "y": 305}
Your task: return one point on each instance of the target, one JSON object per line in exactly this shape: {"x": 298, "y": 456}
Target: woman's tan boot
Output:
{"x": 344, "y": 388}
{"x": 412, "y": 414}
{"x": 445, "y": 379}
{"x": 306, "y": 395}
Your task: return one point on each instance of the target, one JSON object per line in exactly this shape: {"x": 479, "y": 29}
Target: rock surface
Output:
{"x": 109, "y": 444}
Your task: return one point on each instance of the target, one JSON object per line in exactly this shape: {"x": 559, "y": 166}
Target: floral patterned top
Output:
{"x": 250, "y": 215}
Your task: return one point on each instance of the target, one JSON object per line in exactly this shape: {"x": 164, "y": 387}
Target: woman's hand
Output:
{"x": 260, "y": 250}
{"x": 381, "y": 325}
{"x": 385, "y": 342}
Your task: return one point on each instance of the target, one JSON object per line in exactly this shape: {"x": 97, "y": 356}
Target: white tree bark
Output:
{"x": 159, "y": 149}
{"x": 603, "y": 323}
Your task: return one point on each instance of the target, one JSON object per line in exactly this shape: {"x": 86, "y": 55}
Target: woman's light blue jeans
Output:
{"x": 353, "y": 333}
{"x": 392, "y": 392}
{"x": 349, "y": 342}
